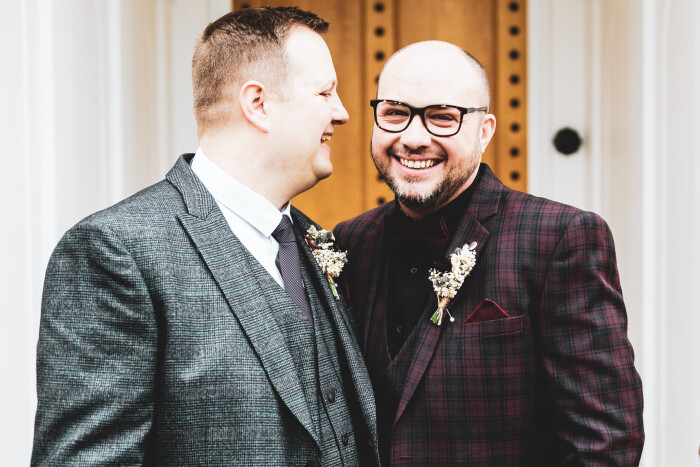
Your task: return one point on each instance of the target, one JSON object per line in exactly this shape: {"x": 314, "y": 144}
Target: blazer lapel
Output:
{"x": 338, "y": 314}
{"x": 225, "y": 256}
{"x": 374, "y": 272}
{"x": 483, "y": 205}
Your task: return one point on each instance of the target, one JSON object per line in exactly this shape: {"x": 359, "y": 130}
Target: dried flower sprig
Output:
{"x": 446, "y": 284}
{"x": 329, "y": 258}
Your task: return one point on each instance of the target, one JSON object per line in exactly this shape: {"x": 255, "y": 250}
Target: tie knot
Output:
{"x": 284, "y": 233}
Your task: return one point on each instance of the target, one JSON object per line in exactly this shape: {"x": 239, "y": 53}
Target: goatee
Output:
{"x": 445, "y": 189}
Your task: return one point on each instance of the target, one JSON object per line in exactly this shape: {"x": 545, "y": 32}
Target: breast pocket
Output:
{"x": 494, "y": 364}
{"x": 493, "y": 328}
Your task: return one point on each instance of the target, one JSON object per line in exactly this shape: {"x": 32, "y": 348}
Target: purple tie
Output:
{"x": 288, "y": 263}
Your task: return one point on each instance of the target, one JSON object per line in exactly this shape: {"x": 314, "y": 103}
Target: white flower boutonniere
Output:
{"x": 446, "y": 284}
{"x": 329, "y": 258}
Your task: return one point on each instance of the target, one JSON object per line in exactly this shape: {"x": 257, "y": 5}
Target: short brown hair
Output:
{"x": 242, "y": 45}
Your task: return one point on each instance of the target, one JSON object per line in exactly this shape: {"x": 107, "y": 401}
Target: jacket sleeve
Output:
{"x": 587, "y": 361}
{"x": 96, "y": 356}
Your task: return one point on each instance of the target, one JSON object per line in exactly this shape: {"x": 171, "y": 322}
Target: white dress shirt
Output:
{"x": 252, "y": 217}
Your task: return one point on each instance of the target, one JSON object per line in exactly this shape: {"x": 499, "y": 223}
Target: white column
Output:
{"x": 651, "y": 94}
{"x": 678, "y": 122}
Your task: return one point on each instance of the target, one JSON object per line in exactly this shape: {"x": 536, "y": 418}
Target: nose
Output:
{"x": 416, "y": 135}
{"x": 340, "y": 115}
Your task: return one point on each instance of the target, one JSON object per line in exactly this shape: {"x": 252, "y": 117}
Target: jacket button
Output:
{"x": 330, "y": 396}
{"x": 345, "y": 439}
{"x": 312, "y": 463}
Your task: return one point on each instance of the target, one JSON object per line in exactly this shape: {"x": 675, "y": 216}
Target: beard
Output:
{"x": 428, "y": 198}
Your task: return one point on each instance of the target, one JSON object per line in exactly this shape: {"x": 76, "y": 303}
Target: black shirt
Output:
{"x": 414, "y": 247}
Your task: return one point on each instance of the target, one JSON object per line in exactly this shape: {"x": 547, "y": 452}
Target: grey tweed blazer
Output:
{"x": 157, "y": 345}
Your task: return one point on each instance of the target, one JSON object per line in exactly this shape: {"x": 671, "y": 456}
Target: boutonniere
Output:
{"x": 329, "y": 258}
{"x": 446, "y": 284}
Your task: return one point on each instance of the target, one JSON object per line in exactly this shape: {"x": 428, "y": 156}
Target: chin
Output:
{"x": 322, "y": 175}
{"x": 322, "y": 170}
{"x": 415, "y": 190}
{"x": 414, "y": 193}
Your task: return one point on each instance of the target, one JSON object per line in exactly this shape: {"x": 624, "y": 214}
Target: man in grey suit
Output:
{"x": 177, "y": 328}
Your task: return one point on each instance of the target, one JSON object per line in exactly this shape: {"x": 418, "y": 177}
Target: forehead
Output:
{"x": 309, "y": 58}
{"x": 421, "y": 78}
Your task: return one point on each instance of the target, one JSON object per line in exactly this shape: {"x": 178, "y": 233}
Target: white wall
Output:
{"x": 636, "y": 65}
{"x": 96, "y": 104}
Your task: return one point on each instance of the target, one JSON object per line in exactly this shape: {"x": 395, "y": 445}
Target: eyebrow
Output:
{"x": 330, "y": 84}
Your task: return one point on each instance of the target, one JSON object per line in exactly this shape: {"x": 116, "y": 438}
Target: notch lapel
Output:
{"x": 428, "y": 334}
{"x": 225, "y": 256}
{"x": 371, "y": 272}
{"x": 483, "y": 205}
{"x": 338, "y": 314}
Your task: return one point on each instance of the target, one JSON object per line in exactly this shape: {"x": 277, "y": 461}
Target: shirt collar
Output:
{"x": 246, "y": 203}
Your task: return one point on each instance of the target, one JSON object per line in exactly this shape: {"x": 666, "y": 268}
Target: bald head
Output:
{"x": 432, "y": 65}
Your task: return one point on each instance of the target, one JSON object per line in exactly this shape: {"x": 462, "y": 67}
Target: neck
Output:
{"x": 236, "y": 156}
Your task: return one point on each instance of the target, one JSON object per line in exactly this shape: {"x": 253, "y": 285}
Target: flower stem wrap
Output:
{"x": 446, "y": 284}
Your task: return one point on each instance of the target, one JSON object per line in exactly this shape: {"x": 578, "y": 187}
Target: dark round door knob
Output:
{"x": 567, "y": 141}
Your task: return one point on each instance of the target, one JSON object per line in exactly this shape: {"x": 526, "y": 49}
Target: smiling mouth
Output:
{"x": 325, "y": 138}
{"x": 424, "y": 164}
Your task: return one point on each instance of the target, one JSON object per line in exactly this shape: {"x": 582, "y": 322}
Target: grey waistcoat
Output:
{"x": 316, "y": 359}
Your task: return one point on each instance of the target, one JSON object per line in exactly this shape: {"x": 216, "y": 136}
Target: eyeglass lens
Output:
{"x": 439, "y": 120}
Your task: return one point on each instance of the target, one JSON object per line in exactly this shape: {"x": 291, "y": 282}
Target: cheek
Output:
{"x": 381, "y": 141}
{"x": 463, "y": 147}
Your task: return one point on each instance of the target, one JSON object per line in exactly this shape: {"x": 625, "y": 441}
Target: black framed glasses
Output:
{"x": 439, "y": 120}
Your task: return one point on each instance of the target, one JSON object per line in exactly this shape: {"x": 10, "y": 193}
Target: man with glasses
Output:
{"x": 492, "y": 321}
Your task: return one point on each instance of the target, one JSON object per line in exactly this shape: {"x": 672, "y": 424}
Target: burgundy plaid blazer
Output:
{"x": 536, "y": 370}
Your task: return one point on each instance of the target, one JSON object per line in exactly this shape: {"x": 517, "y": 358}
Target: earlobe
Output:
{"x": 253, "y": 101}
{"x": 488, "y": 127}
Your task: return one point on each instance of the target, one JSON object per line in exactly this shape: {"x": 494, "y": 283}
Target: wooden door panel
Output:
{"x": 363, "y": 34}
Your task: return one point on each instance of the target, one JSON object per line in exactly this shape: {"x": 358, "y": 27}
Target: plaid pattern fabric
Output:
{"x": 554, "y": 383}
{"x": 157, "y": 344}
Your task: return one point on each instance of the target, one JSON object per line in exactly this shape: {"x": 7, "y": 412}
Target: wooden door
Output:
{"x": 363, "y": 34}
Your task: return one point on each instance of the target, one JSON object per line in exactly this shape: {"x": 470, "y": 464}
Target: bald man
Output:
{"x": 492, "y": 321}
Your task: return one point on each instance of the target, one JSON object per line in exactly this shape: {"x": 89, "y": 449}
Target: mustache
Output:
{"x": 403, "y": 151}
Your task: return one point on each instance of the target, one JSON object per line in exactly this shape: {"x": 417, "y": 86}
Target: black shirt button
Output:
{"x": 414, "y": 270}
{"x": 399, "y": 328}
{"x": 312, "y": 463}
{"x": 345, "y": 439}
{"x": 330, "y": 395}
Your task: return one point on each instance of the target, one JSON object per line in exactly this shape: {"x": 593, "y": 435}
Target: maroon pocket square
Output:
{"x": 488, "y": 310}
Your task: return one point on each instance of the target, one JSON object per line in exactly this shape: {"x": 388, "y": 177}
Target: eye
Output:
{"x": 326, "y": 94}
{"x": 395, "y": 113}
{"x": 444, "y": 117}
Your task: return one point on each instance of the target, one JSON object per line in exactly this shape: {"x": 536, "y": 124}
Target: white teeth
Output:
{"x": 417, "y": 164}
{"x": 325, "y": 138}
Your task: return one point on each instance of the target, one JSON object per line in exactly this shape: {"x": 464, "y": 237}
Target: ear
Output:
{"x": 488, "y": 126}
{"x": 254, "y": 105}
